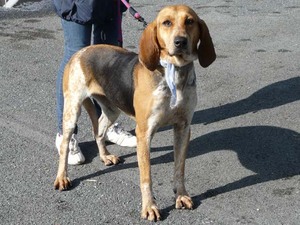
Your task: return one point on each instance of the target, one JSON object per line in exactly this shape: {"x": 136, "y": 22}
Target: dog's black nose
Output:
{"x": 180, "y": 42}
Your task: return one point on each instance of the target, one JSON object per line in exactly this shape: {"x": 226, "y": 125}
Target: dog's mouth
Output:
{"x": 180, "y": 58}
{"x": 178, "y": 53}
{"x": 175, "y": 54}
{"x": 181, "y": 55}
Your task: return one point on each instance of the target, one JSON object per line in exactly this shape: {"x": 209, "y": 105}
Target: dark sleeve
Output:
{"x": 87, "y": 11}
{"x": 82, "y": 11}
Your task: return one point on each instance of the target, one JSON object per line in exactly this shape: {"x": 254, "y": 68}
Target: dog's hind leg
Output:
{"x": 91, "y": 110}
{"x": 100, "y": 126}
{"x": 72, "y": 110}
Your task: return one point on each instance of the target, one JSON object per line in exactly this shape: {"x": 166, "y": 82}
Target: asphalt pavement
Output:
{"x": 243, "y": 163}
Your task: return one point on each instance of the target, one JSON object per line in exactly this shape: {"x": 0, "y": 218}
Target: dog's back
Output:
{"x": 103, "y": 66}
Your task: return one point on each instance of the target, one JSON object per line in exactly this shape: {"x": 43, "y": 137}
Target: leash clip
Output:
{"x": 134, "y": 13}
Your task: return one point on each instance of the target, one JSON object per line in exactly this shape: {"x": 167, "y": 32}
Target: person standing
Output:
{"x": 87, "y": 22}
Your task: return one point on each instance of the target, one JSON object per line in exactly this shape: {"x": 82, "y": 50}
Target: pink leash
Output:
{"x": 134, "y": 13}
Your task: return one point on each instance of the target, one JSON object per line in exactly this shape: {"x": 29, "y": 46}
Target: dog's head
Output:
{"x": 174, "y": 37}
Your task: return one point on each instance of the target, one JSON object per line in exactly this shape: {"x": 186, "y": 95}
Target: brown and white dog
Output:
{"x": 138, "y": 84}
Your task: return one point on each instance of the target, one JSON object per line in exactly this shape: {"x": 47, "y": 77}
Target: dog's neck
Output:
{"x": 170, "y": 74}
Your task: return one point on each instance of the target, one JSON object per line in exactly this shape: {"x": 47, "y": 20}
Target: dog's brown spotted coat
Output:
{"x": 135, "y": 84}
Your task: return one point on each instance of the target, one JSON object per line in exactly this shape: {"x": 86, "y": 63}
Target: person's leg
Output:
{"x": 76, "y": 37}
{"x": 108, "y": 33}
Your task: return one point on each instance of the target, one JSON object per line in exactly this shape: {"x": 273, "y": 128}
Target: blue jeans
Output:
{"x": 76, "y": 37}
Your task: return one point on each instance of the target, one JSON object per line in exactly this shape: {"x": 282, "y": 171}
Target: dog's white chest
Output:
{"x": 175, "y": 87}
{"x": 164, "y": 111}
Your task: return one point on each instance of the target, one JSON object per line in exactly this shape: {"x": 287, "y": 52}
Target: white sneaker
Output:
{"x": 116, "y": 134}
{"x": 75, "y": 156}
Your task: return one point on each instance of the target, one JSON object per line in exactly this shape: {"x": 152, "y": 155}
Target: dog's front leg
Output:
{"x": 149, "y": 208}
{"x": 181, "y": 142}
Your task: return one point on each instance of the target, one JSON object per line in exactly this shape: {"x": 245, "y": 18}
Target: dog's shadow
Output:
{"x": 274, "y": 95}
{"x": 270, "y": 152}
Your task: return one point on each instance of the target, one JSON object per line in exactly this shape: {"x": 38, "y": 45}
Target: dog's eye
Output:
{"x": 189, "y": 21}
{"x": 167, "y": 23}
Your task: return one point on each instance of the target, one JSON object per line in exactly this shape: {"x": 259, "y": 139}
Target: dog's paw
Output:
{"x": 62, "y": 183}
{"x": 150, "y": 212}
{"x": 110, "y": 160}
{"x": 184, "y": 202}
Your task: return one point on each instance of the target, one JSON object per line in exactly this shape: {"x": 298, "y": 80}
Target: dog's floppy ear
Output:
{"x": 206, "y": 50}
{"x": 149, "y": 48}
